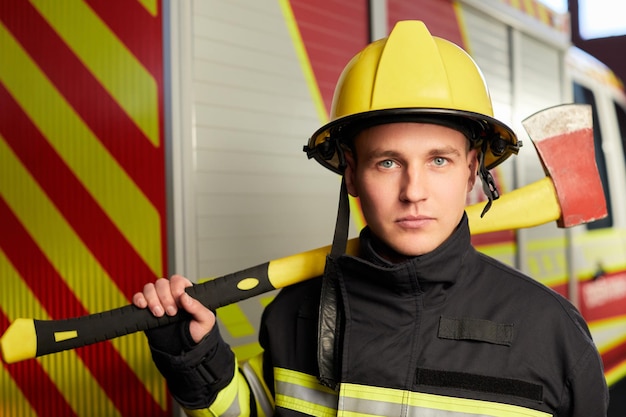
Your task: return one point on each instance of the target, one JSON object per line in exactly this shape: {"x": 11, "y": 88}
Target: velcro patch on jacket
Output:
{"x": 481, "y": 383}
{"x": 475, "y": 329}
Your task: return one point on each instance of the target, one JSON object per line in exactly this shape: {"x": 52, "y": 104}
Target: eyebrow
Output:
{"x": 444, "y": 150}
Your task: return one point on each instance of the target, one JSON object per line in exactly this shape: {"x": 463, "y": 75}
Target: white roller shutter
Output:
{"x": 249, "y": 193}
{"x": 524, "y": 75}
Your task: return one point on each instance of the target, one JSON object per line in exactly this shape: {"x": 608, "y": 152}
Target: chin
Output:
{"x": 412, "y": 249}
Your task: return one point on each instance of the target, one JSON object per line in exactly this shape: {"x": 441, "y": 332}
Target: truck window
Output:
{"x": 584, "y": 95}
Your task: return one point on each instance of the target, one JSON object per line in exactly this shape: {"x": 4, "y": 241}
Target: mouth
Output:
{"x": 414, "y": 222}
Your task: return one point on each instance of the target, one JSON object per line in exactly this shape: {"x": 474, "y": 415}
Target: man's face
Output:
{"x": 412, "y": 180}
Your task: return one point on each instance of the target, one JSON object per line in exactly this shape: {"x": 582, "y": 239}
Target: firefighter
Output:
{"x": 419, "y": 323}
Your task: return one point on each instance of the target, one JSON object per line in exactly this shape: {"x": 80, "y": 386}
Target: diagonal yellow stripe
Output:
{"x": 125, "y": 204}
{"x": 529, "y": 8}
{"x": 303, "y": 58}
{"x": 66, "y": 252}
{"x": 55, "y": 237}
{"x": 236, "y": 321}
{"x": 616, "y": 374}
{"x": 150, "y": 6}
{"x": 101, "y": 51}
{"x": 66, "y": 370}
{"x": 12, "y": 402}
{"x": 316, "y": 95}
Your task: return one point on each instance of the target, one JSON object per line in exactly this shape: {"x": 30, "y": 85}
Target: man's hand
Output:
{"x": 167, "y": 296}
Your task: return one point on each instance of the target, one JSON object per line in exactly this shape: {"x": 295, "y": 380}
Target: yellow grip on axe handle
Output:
{"x": 529, "y": 206}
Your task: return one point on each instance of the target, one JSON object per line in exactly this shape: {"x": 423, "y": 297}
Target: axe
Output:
{"x": 571, "y": 194}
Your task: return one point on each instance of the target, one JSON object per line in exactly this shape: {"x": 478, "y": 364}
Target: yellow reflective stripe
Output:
{"x": 362, "y": 400}
{"x": 232, "y": 401}
{"x": 301, "y": 392}
{"x": 253, "y": 371}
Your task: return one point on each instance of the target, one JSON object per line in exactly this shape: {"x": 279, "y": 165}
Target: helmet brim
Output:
{"x": 325, "y": 145}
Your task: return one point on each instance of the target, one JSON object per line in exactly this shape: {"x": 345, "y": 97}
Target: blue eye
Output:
{"x": 388, "y": 163}
{"x": 439, "y": 161}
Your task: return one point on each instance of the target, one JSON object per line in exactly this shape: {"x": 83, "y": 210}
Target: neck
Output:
{"x": 386, "y": 252}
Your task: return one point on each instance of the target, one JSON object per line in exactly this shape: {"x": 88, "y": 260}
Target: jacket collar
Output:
{"x": 442, "y": 265}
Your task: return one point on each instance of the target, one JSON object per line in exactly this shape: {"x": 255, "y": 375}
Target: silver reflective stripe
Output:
{"x": 233, "y": 410}
{"x": 376, "y": 401}
{"x": 309, "y": 395}
{"x": 375, "y": 408}
{"x": 301, "y": 392}
{"x": 257, "y": 389}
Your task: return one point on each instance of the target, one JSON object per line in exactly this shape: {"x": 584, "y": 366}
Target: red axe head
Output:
{"x": 563, "y": 137}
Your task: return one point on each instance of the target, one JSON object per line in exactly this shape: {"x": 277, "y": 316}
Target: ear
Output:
{"x": 472, "y": 157}
{"x": 350, "y": 174}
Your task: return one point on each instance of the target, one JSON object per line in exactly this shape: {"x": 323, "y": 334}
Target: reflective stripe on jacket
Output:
{"x": 303, "y": 393}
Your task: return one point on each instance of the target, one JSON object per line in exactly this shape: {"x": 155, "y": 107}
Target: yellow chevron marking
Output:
{"x": 316, "y": 95}
{"x": 303, "y": 58}
{"x": 499, "y": 250}
{"x": 616, "y": 374}
{"x": 65, "y": 369}
{"x": 103, "y": 53}
{"x": 529, "y": 7}
{"x": 544, "y": 15}
{"x": 608, "y": 333}
{"x": 12, "y": 401}
{"x": 265, "y": 301}
{"x": 80, "y": 270}
{"x": 546, "y": 261}
{"x": 516, "y": 4}
{"x": 107, "y": 182}
{"x": 55, "y": 237}
{"x": 235, "y": 321}
{"x": 245, "y": 352}
{"x": 533, "y": 267}
{"x": 150, "y": 6}
{"x": 62, "y": 336}
{"x": 460, "y": 18}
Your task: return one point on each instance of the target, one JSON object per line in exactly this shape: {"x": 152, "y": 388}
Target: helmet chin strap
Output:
{"x": 329, "y": 322}
{"x": 488, "y": 183}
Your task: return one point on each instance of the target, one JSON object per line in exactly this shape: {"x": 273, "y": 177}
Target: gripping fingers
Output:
{"x": 139, "y": 300}
{"x": 165, "y": 301}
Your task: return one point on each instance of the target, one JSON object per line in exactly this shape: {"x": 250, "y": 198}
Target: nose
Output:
{"x": 413, "y": 186}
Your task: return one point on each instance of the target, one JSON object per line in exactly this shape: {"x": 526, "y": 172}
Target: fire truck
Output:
{"x": 143, "y": 138}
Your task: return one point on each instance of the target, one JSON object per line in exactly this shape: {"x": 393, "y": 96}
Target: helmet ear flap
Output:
{"x": 327, "y": 149}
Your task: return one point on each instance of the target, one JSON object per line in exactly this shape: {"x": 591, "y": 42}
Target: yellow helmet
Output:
{"x": 412, "y": 76}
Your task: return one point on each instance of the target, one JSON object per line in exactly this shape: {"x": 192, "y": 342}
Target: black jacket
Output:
{"x": 452, "y": 327}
